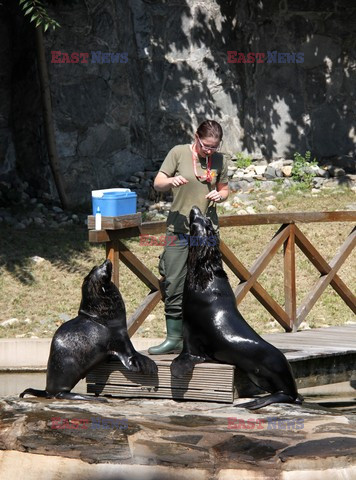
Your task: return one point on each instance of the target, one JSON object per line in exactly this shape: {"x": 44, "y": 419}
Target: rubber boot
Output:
{"x": 174, "y": 341}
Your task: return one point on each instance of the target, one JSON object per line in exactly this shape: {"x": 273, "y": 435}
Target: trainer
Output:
{"x": 197, "y": 173}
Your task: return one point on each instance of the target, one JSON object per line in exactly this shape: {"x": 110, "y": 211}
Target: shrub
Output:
{"x": 302, "y": 169}
{"x": 242, "y": 160}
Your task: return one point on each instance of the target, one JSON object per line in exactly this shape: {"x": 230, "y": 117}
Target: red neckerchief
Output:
{"x": 207, "y": 177}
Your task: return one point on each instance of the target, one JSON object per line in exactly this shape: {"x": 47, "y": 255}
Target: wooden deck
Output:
{"x": 316, "y": 342}
{"x": 318, "y": 356}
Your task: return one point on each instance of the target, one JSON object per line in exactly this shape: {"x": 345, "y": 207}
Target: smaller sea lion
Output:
{"x": 98, "y": 333}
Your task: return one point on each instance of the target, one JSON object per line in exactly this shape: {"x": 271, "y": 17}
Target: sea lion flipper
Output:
{"x": 184, "y": 364}
{"x": 136, "y": 362}
{"x": 144, "y": 364}
{"x": 78, "y": 396}
{"x": 261, "y": 402}
{"x": 36, "y": 393}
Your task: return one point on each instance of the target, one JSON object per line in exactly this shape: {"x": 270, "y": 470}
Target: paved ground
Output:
{"x": 154, "y": 439}
{"x": 164, "y": 439}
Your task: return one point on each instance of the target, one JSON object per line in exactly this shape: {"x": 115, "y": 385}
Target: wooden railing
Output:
{"x": 288, "y": 235}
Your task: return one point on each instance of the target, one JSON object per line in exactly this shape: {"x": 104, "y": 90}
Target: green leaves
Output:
{"x": 39, "y": 14}
{"x": 302, "y": 170}
{"x": 29, "y": 10}
{"x": 242, "y": 160}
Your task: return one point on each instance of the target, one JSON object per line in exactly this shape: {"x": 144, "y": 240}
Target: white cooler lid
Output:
{"x": 100, "y": 193}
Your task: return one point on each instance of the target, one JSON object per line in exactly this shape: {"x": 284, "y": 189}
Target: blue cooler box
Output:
{"x": 114, "y": 202}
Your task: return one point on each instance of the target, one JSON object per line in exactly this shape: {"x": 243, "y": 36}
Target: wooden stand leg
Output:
{"x": 113, "y": 254}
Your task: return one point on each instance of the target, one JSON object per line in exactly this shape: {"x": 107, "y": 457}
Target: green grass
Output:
{"x": 44, "y": 292}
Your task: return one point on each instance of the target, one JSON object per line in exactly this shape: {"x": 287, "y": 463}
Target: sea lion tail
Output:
{"x": 278, "y": 397}
{"x": 36, "y": 393}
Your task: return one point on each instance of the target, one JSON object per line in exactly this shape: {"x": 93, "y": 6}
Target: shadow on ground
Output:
{"x": 60, "y": 246}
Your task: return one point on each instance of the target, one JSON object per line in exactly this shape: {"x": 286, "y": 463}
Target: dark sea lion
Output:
{"x": 98, "y": 332}
{"x": 214, "y": 329}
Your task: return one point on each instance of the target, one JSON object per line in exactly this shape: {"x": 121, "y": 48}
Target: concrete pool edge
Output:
{"x": 33, "y": 352}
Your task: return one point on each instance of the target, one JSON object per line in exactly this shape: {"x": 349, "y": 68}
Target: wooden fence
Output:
{"x": 288, "y": 235}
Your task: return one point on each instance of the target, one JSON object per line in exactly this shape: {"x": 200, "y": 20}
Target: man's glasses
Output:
{"x": 206, "y": 148}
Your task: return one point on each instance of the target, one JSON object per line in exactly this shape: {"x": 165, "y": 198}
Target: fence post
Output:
{"x": 289, "y": 277}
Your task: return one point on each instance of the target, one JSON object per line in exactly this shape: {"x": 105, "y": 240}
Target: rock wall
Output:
{"x": 114, "y": 119}
{"x": 23, "y": 152}
{"x": 310, "y": 105}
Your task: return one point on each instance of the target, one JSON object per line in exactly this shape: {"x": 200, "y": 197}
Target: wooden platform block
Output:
{"x": 318, "y": 357}
{"x": 208, "y": 382}
{"x": 116, "y": 223}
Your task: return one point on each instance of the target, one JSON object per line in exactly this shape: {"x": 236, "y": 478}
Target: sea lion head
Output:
{"x": 201, "y": 228}
{"x": 204, "y": 257}
{"x": 100, "y": 296}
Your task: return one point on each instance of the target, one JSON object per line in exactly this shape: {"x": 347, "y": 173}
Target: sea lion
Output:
{"x": 98, "y": 333}
{"x": 214, "y": 329}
